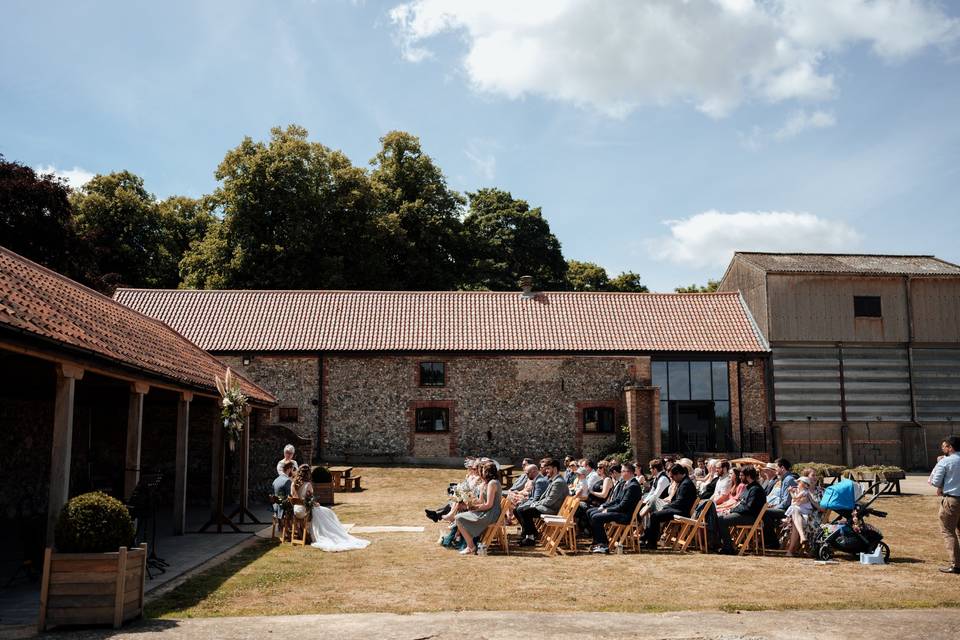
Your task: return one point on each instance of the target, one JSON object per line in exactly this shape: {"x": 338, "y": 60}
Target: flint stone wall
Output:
{"x": 501, "y": 406}
{"x": 293, "y": 379}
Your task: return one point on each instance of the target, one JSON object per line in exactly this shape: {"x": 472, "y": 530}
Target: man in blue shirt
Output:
{"x": 946, "y": 478}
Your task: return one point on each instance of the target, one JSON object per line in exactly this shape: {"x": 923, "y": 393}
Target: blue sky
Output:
{"x": 657, "y": 136}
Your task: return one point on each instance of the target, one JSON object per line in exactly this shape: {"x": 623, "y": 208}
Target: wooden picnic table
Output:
{"x": 506, "y": 474}
{"x": 337, "y": 474}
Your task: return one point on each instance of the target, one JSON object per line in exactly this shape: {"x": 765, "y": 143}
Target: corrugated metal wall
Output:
{"x": 806, "y": 382}
{"x": 876, "y": 382}
{"x": 936, "y": 377}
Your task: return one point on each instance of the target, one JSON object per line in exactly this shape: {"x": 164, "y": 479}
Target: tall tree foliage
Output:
{"x": 710, "y": 287}
{"x": 587, "y": 276}
{"x": 119, "y": 222}
{"x": 421, "y": 214}
{"x": 36, "y": 220}
{"x": 295, "y": 214}
{"x": 507, "y": 239}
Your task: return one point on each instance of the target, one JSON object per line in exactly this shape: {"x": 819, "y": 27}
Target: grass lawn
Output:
{"x": 407, "y": 572}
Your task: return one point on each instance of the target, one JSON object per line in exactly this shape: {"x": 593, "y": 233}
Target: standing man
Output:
{"x": 946, "y": 478}
{"x": 779, "y": 502}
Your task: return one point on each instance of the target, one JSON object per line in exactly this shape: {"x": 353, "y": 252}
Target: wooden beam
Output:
{"x": 62, "y": 445}
{"x": 131, "y": 474}
{"x": 180, "y": 478}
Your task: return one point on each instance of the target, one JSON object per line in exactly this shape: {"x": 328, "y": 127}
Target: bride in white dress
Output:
{"x": 326, "y": 531}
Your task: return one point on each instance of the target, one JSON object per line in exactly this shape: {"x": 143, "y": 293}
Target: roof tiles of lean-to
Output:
{"x": 851, "y": 264}
{"x": 38, "y": 302}
{"x": 364, "y": 321}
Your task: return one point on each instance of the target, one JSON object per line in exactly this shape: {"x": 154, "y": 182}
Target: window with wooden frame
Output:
{"x": 432, "y": 374}
{"x": 433, "y": 420}
{"x": 598, "y": 420}
{"x": 867, "y": 307}
{"x": 289, "y": 414}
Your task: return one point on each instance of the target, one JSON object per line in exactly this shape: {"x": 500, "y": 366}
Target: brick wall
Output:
{"x": 505, "y": 406}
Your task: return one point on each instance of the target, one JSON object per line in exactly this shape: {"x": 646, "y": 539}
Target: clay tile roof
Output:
{"x": 452, "y": 320}
{"x": 845, "y": 263}
{"x": 42, "y": 304}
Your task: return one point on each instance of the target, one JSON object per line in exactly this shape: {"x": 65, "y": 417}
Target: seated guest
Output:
{"x": 724, "y": 486}
{"x": 579, "y": 487}
{"x": 620, "y": 511}
{"x": 768, "y": 477}
{"x": 699, "y": 472}
{"x": 706, "y": 486}
{"x": 680, "y": 505}
{"x": 592, "y": 474}
{"x": 288, "y": 452}
{"x": 478, "y": 516}
{"x": 600, "y": 489}
{"x": 549, "y": 503}
{"x": 738, "y": 488}
{"x": 804, "y": 506}
{"x": 570, "y": 470}
{"x": 659, "y": 482}
{"x": 744, "y": 513}
{"x": 519, "y": 483}
{"x": 462, "y": 489}
{"x": 779, "y": 502}
{"x": 618, "y": 482}
{"x": 281, "y": 485}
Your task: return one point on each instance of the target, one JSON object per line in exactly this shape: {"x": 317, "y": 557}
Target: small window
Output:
{"x": 866, "y": 306}
{"x": 289, "y": 414}
{"x": 432, "y": 374}
{"x": 598, "y": 420}
{"x": 433, "y": 420}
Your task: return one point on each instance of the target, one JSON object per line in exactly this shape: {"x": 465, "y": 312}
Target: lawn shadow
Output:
{"x": 199, "y": 587}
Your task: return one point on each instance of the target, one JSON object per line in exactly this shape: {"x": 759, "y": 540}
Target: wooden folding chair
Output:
{"x": 627, "y": 534}
{"x": 671, "y": 532}
{"x": 561, "y": 529}
{"x": 693, "y": 529}
{"x": 744, "y": 537}
{"x": 300, "y": 527}
{"x": 497, "y": 532}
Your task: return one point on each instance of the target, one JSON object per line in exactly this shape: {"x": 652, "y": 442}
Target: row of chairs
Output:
{"x": 559, "y": 532}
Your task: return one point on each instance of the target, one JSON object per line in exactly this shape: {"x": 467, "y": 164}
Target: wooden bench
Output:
{"x": 354, "y": 480}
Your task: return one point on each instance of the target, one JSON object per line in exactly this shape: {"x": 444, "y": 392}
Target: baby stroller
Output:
{"x": 848, "y": 532}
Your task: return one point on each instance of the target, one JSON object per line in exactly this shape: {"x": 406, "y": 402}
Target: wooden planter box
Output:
{"x": 323, "y": 493}
{"x": 92, "y": 588}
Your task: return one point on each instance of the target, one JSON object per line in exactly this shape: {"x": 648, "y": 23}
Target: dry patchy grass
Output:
{"x": 407, "y": 572}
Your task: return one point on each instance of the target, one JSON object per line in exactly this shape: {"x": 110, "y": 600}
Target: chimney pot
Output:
{"x": 526, "y": 285}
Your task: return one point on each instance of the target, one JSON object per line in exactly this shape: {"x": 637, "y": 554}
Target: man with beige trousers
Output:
{"x": 946, "y": 478}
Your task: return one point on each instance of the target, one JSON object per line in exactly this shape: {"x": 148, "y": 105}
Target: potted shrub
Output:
{"x": 322, "y": 485}
{"x": 93, "y": 577}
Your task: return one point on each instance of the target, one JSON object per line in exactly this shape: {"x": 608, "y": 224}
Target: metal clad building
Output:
{"x": 866, "y": 352}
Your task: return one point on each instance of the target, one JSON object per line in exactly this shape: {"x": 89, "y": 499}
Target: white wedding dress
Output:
{"x": 327, "y": 532}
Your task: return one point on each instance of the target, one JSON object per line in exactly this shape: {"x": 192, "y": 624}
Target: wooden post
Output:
{"x": 180, "y": 481}
{"x": 121, "y": 588}
{"x": 134, "y": 431}
{"x": 62, "y": 445}
{"x": 44, "y": 589}
{"x": 245, "y": 466}
{"x": 216, "y": 463}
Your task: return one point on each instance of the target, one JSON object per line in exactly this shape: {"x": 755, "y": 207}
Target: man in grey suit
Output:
{"x": 281, "y": 485}
{"x": 548, "y": 503}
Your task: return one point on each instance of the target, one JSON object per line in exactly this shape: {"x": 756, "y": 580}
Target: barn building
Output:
{"x": 865, "y": 353}
{"x": 431, "y": 376}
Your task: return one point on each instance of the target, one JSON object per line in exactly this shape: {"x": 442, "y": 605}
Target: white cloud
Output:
{"x": 618, "y": 55}
{"x": 480, "y": 153}
{"x": 75, "y": 177}
{"x": 800, "y": 121}
{"x": 710, "y": 238}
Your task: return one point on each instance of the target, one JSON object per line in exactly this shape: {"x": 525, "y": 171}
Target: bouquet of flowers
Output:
{"x": 464, "y": 494}
{"x": 234, "y": 407}
{"x": 284, "y": 502}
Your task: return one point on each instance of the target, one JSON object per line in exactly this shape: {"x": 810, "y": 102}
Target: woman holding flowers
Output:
{"x": 478, "y": 517}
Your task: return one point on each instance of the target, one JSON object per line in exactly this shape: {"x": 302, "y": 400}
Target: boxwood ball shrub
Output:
{"x": 93, "y": 523}
{"x": 320, "y": 475}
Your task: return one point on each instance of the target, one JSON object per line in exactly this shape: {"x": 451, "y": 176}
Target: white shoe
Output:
{"x": 466, "y": 551}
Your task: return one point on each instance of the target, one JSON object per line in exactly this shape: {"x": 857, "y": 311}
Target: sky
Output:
{"x": 658, "y": 136}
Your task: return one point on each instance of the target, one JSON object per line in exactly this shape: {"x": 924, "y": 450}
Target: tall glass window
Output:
{"x": 694, "y": 405}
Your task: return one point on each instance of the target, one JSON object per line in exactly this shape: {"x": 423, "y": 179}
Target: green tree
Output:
{"x": 507, "y": 239}
{"x": 710, "y": 287}
{"x": 36, "y": 219}
{"x": 184, "y": 221}
{"x": 119, "y": 222}
{"x": 295, "y": 214}
{"x": 586, "y": 276}
{"x": 628, "y": 282}
{"x": 418, "y": 215}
